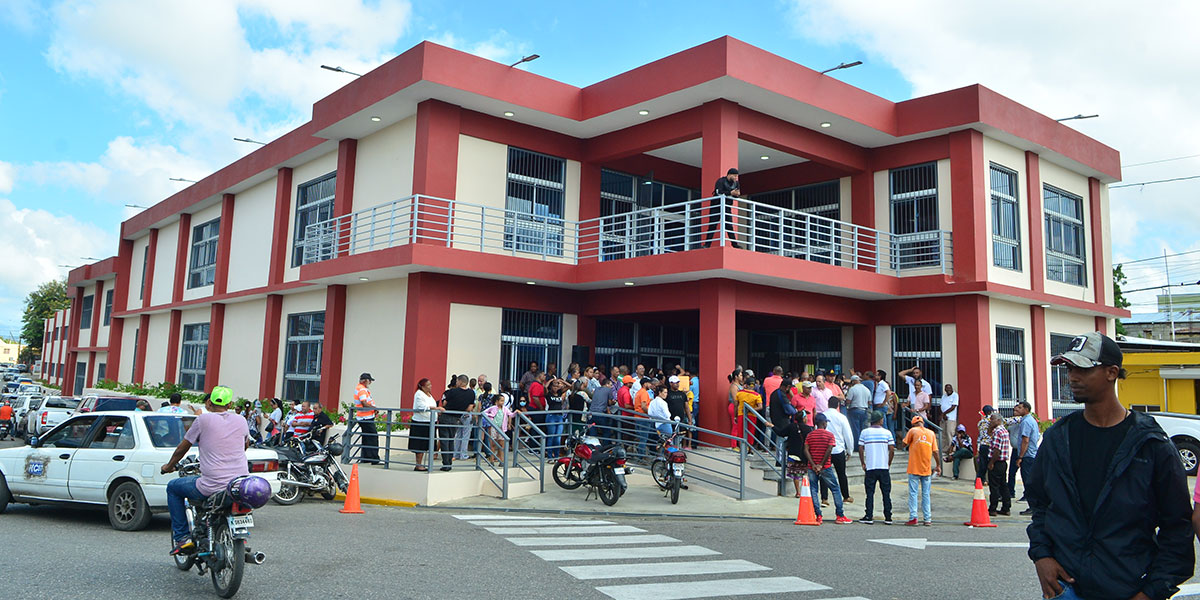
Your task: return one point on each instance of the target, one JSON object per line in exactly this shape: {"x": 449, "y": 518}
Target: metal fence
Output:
{"x": 679, "y": 227}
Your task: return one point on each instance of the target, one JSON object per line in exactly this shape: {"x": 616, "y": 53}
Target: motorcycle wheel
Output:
{"x": 183, "y": 562}
{"x": 230, "y": 561}
{"x": 675, "y": 483}
{"x": 661, "y": 473}
{"x": 566, "y": 475}
{"x": 287, "y": 495}
{"x": 329, "y": 493}
{"x": 607, "y": 488}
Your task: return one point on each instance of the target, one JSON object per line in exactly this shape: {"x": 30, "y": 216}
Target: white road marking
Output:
{"x": 710, "y": 589}
{"x": 666, "y": 569}
{"x": 500, "y": 518}
{"x": 922, "y": 543}
{"x": 1188, "y": 589}
{"x": 622, "y": 553}
{"x": 537, "y": 523}
{"x": 596, "y": 540}
{"x": 568, "y": 530}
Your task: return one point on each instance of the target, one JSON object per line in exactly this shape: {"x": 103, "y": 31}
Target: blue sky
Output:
{"x": 100, "y": 103}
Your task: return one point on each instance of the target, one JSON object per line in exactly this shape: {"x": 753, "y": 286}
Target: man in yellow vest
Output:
{"x": 364, "y": 416}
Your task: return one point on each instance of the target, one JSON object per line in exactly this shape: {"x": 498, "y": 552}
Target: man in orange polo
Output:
{"x": 364, "y": 417}
{"x": 641, "y": 407}
{"x": 922, "y": 463}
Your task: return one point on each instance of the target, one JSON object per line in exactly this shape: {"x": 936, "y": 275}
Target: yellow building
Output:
{"x": 8, "y": 352}
{"x": 1166, "y": 381}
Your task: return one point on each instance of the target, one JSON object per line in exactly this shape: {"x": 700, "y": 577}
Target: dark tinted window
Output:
{"x": 70, "y": 434}
{"x": 166, "y": 430}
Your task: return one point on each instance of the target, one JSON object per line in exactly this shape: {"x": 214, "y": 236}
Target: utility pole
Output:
{"x": 1170, "y": 304}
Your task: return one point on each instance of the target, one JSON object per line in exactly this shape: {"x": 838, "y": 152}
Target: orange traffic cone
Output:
{"x": 352, "y": 507}
{"x": 806, "y": 515}
{"x": 979, "y": 509}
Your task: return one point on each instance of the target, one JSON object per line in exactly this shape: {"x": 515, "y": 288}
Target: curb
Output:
{"x": 601, "y": 513}
{"x": 378, "y": 501}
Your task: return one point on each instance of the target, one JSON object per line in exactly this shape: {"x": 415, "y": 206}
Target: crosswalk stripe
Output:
{"x": 622, "y": 553}
{"x": 710, "y": 589}
{"x": 568, "y": 530}
{"x": 537, "y": 523}
{"x": 501, "y": 518}
{"x": 698, "y": 567}
{"x": 595, "y": 540}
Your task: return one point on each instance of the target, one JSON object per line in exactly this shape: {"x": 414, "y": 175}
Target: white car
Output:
{"x": 109, "y": 459}
{"x": 46, "y": 416}
{"x": 1184, "y": 431}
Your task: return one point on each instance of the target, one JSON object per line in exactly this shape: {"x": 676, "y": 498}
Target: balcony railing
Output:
{"x": 645, "y": 232}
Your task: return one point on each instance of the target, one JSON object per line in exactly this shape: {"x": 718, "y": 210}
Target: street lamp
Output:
{"x": 842, "y": 66}
{"x": 181, "y": 179}
{"x": 249, "y": 141}
{"x": 136, "y": 206}
{"x": 525, "y": 59}
{"x": 1076, "y": 117}
{"x": 340, "y": 70}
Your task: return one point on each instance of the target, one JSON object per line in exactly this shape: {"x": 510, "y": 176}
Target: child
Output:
{"x": 496, "y": 419}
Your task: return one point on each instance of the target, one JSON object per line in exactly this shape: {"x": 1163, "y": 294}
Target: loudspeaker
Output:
{"x": 581, "y": 355}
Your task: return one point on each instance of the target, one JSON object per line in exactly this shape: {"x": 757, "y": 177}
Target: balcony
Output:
{"x": 655, "y": 231}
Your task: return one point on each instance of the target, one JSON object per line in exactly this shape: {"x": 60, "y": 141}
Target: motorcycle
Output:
{"x": 600, "y": 466}
{"x": 220, "y": 526}
{"x": 306, "y": 468}
{"x": 5, "y": 429}
{"x": 667, "y": 468}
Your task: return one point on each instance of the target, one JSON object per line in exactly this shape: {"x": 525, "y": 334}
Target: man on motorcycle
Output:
{"x": 222, "y": 437}
{"x": 6, "y": 415}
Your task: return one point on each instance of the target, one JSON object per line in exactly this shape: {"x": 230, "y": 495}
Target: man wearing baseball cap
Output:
{"x": 364, "y": 418}
{"x": 1111, "y": 516}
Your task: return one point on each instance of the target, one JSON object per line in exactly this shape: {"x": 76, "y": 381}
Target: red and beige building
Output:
{"x": 447, "y": 214}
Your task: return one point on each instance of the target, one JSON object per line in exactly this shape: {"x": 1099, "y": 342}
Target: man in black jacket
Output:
{"x": 1111, "y": 509}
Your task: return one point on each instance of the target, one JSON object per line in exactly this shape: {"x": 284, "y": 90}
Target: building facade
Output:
{"x": 447, "y": 214}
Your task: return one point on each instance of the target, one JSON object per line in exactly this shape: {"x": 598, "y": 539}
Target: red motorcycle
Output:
{"x": 667, "y": 468}
{"x": 587, "y": 461}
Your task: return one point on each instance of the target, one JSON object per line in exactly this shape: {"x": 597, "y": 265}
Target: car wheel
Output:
{"x": 1189, "y": 454}
{"x": 5, "y": 496}
{"x": 127, "y": 508}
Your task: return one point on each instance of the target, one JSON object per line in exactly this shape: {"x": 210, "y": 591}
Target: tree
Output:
{"x": 1119, "y": 299}
{"x": 41, "y": 304}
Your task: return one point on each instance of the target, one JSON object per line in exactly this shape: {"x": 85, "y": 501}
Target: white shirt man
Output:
{"x": 839, "y": 426}
{"x": 950, "y": 413}
{"x": 882, "y": 389}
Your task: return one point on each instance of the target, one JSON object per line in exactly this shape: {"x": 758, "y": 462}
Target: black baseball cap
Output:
{"x": 366, "y": 376}
{"x": 1091, "y": 350}
{"x": 731, "y": 172}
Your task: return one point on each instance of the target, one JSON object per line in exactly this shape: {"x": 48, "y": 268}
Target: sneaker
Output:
{"x": 819, "y": 520}
{"x": 824, "y": 503}
{"x": 867, "y": 521}
{"x": 928, "y": 523}
{"x": 887, "y": 521}
{"x": 1026, "y": 512}
{"x": 186, "y": 546}
{"x": 843, "y": 521}
{"x": 911, "y": 522}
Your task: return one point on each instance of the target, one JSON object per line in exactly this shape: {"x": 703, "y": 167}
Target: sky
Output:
{"x": 101, "y": 103}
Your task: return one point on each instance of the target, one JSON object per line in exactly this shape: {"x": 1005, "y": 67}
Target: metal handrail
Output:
{"x": 678, "y": 227}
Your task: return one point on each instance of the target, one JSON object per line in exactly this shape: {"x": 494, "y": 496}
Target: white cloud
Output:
{"x": 500, "y": 46}
{"x": 7, "y": 175}
{"x": 1133, "y": 67}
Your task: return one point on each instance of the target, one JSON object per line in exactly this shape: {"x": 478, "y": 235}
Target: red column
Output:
{"x": 718, "y": 341}
{"x": 1037, "y": 244}
{"x": 864, "y": 348}
{"x": 224, "y": 240}
{"x": 435, "y": 168}
{"x": 279, "y": 233}
{"x": 967, "y": 190}
{"x": 183, "y": 243}
{"x": 332, "y": 345}
{"x": 270, "y": 350}
{"x": 216, "y": 334}
{"x": 148, "y": 294}
{"x": 1040, "y": 342}
{"x": 169, "y": 376}
{"x": 343, "y": 195}
{"x": 139, "y": 361}
{"x": 73, "y": 342}
{"x": 427, "y": 332}
{"x": 862, "y": 212}
{"x": 719, "y": 139}
{"x": 91, "y": 371}
{"x": 97, "y": 308}
{"x": 1099, "y": 277}
{"x": 1102, "y": 325}
{"x": 116, "y": 331}
{"x": 973, "y": 346}
{"x": 585, "y": 335}
{"x": 589, "y": 208}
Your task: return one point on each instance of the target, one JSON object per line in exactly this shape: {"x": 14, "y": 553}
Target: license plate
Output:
{"x": 242, "y": 522}
{"x": 677, "y": 468}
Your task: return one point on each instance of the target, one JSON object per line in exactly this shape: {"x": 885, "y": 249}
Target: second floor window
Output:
{"x": 914, "y": 207}
{"x": 1006, "y": 228}
{"x": 145, "y": 263}
{"x": 85, "y": 312}
{"x": 314, "y": 204}
{"x": 536, "y": 193}
{"x": 108, "y": 300}
{"x": 204, "y": 254}
{"x": 1065, "y": 257}
{"x": 193, "y": 359}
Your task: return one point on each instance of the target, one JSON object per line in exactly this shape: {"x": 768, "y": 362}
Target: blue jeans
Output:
{"x": 923, "y": 482}
{"x": 644, "y": 429}
{"x": 829, "y": 478}
{"x": 858, "y": 422}
{"x": 178, "y": 489}
{"x": 1068, "y": 593}
{"x": 554, "y": 429}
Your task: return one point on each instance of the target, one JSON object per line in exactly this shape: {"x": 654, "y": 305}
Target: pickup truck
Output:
{"x": 1184, "y": 430}
{"x": 53, "y": 410}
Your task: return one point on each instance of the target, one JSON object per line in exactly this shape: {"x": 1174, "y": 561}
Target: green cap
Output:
{"x": 876, "y": 416}
{"x": 221, "y": 396}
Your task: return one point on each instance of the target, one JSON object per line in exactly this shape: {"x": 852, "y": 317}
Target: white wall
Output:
{"x": 1014, "y": 159}
{"x": 300, "y": 175}
{"x": 198, "y": 218}
{"x": 374, "y": 339}
{"x": 474, "y": 341}
{"x": 128, "y": 339}
{"x": 1077, "y": 184}
{"x": 292, "y": 304}
{"x": 883, "y": 351}
{"x": 135, "y": 273}
{"x": 1010, "y": 314}
{"x": 164, "y": 265}
{"x": 848, "y": 349}
{"x": 156, "y": 348}
{"x": 384, "y": 165}
{"x": 241, "y": 347}
{"x": 950, "y": 354}
{"x": 250, "y": 246}
{"x": 570, "y": 337}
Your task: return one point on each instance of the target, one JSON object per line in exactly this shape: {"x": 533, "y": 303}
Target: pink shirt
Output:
{"x": 1196, "y": 494}
{"x": 221, "y": 438}
{"x": 771, "y": 384}
{"x": 822, "y": 398}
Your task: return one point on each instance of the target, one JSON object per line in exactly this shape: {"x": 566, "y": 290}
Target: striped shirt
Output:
{"x": 1000, "y": 445}
{"x": 819, "y": 442}
{"x": 875, "y": 442}
{"x": 300, "y": 422}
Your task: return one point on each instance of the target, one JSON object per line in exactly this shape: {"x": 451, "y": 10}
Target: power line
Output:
{"x": 1159, "y": 257}
{"x": 1155, "y": 162}
{"x": 1125, "y": 185}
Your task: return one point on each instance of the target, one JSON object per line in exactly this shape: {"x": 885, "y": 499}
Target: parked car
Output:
{"x": 1184, "y": 431}
{"x": 53, "y": 410}
{"x": 27, "y": 386}
{"x": 108, "y": 459}
{"x": 105, "y": 403}
{"x": 31, "y": 403}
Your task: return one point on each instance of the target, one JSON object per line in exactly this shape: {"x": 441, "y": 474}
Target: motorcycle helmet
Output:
{"x": 335, "y": 449}
{"x": 253, "y": 491}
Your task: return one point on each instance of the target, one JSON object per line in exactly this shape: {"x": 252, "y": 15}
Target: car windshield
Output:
{"x": 62, "y": 403}
{"x": 166, "y": 430}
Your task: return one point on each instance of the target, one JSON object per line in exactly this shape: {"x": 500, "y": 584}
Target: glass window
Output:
{"x": 1065, "y": 256}
{"x": 659, "y": 346}
{"x": 302, "y": 356}
{"x": 70, "y": 435}
{"x": 536, "y": 189}
{"x": 108, "y": 303}
{"x": 527, "y": 336}
{"x": 1062, "y": 403}
{"x": 100, "y": 371}
{"x": 921, "y": 346}
{"x": 145, "y": 264}
{"x": 113, "y": 433}
{"x": 1010, "y": 363}
{"x": 796, "y": 350}
{"x": 914, "y": 215}
{"x": 633, "y": 227}
{"x": 204, "y": 254}
{"x": 314, "y": 204}
{"x": 1006, "y": 225}
{"x": 85, "y": 312}
{"x": 166, "y": 431}
{"x": 193, "y": 359}
{"x": 80, "y": 376}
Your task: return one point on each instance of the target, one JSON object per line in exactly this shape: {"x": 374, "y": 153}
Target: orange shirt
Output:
{"x": 641, "y": 402}
{"x": 748, "y": 396}
{"x": 5, "y": 413}
{"x": 922, "y": 447}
